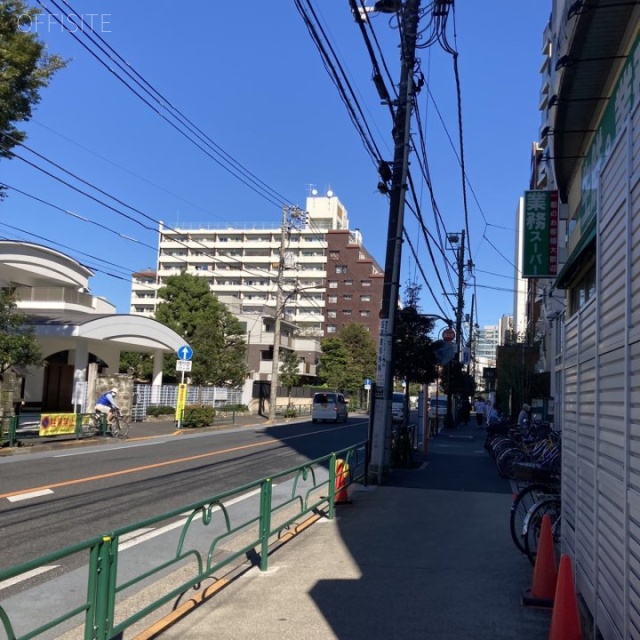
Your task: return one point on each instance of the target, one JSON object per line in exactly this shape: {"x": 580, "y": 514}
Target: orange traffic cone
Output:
{"x": 545, "y": 574}
{"x": 342, "y": 473}
{"x": 565, "y": 620}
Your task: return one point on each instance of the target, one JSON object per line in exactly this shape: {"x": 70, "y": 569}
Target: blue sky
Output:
{"x": 250, "y": 77}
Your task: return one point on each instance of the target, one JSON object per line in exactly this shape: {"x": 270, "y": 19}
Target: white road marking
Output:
{"x": 25, "y": 576}
{"x": 135, "y": 539}
{"x": 29, "y": 495}
{"x": 107, "y": 449}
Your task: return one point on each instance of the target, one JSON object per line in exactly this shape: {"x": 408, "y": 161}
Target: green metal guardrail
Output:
{"x": 105, "y": 589}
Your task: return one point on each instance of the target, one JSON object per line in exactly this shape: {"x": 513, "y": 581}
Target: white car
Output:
{"x": 329, "y": 406}
{"x": 438, "y": 408}
{"x": 397, "y": 407}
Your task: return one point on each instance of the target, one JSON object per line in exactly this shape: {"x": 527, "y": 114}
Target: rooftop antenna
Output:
{"x": 312, "y": 190}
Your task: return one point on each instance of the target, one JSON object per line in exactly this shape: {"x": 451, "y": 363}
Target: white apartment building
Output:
{"x": 486, "y": 342}
{"x": 241, "y": 262}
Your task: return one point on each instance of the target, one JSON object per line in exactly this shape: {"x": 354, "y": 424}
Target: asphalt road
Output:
{"x": 56, "y": 498}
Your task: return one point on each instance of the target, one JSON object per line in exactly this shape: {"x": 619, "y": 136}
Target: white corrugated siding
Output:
{"x": 601, "y": 407}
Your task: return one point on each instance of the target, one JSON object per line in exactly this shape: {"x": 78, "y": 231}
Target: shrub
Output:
{"x": 160, "y": 411}
{"x": 198, "y": 416}
{"x": 290, "y": 412}
{"x": 238, "y": 408}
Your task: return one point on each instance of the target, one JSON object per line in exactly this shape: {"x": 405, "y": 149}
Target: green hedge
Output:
{"x": 198, "y": 416}
{"x": 160, "y": 411}
{"x": 238, "y": 408}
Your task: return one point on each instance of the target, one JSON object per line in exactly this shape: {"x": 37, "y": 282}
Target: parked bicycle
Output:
{"x": 118, "y": 427}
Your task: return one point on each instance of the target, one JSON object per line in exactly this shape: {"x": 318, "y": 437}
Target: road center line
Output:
{"x": 158, "y": 465}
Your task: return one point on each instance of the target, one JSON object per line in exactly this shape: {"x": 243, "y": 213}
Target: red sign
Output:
{"x": 449, "y": 335}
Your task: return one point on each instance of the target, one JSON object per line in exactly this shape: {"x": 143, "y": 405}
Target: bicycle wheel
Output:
{"x": 508, "y": 459}
{"x": 524, "y": 500}
{"x": 119, "y": 427}
{"x": 92, "y": 427}
{"x": 533, "y": 525}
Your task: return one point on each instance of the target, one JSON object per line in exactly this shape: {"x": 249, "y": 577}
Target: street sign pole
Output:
{"x": 185, "y": 353}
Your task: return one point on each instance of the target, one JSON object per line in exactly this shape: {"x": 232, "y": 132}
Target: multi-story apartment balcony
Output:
{"x": 43, "y": 300}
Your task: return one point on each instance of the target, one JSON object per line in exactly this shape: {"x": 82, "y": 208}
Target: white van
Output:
{"x": 438, "y": 408}
{"x": 329, "y": 406}
{"x": 397, "y": 407}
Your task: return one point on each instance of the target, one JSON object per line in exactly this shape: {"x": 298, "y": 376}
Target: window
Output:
{"x": 348, "y": 296}
{"x": 331, "y": 328}
{"x": 348, "y": 283}
{"x": 347, "y": 312}
{"x": 334, "y": 255}
{"x": 333, "y": 284}
{"x": 366, "y": 283}
{"x": 332, "y": 314}
{"x": 365, "y": 298}
{"x": 332, "y": 299}
{"x": 341, "y": 268}
{"x": 365, "y": 313}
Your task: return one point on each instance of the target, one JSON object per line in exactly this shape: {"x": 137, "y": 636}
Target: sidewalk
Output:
{"x": 428, "y": 554}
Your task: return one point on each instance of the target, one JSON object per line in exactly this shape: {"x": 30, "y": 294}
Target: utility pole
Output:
{"x": 459, "y": 240}
{"x": 289, "y": 214}
{"x": 381, "y": 434}
{"x": 471, "y": 336}
{"x": 460, "y": 307}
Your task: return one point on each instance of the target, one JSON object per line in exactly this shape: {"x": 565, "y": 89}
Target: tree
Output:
{"x": 25, "y": 69}
{"x": 362, "y": 349}
{"x": 18, "y": 345}
{"x": 333, "y": 363}
{"x": 289, "y": 374}
{"x": 139, "y": 365}
{"x": 414, "y": 359}
{"x": 216, "y": 336}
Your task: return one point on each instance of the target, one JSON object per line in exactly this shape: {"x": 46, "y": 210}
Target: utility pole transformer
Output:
{"x": 381, "y": 435}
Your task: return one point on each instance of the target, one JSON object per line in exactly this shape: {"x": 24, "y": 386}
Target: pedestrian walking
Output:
{"x": 480, "y": 408}
{"x": 523, "y": 416}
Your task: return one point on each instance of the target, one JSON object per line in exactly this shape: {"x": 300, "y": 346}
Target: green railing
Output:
{"x": 196, "y": 554}
{"x": 11, "y": 429}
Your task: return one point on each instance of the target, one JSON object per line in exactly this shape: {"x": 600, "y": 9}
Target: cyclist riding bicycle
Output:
{"x": 106, "y": 403}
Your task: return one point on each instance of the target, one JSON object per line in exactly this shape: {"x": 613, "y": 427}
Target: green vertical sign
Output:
{"x": 540, "y": 234}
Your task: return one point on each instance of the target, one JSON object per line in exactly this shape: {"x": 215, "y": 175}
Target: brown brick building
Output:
{"x": 353, "y": 284}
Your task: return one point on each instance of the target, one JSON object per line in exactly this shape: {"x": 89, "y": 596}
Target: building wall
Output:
{"x": 599, "y": 367}
{"x": 241, "y": 262}
{"x": 353, "y": 285}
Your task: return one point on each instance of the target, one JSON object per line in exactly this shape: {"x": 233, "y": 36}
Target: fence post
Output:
{"x": 332, "y": 485}
{"x": 265, "y": 522}
{"x": 100, "y": 592}
{"x": 233, "y": 416}
{"x": 78, "y": 425}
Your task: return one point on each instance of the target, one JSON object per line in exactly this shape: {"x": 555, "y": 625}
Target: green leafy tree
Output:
{"x": 139, "y": 365}
{"x": 25, "y": 69}
{"x": 289, "y": 375}
{"x": 414, "y": 359}
{"x": 216, "y": 336}
{"x": 333, "y": 363}
{"x": 18, "y": 345}
{"x": 362, "y": 349}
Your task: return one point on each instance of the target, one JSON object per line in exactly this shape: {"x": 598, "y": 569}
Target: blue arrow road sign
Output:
{"x": 185, "y": 352}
